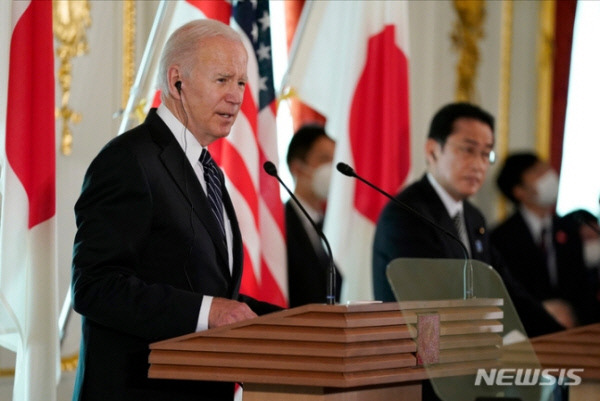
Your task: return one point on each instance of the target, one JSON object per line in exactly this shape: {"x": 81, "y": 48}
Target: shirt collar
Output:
{"x": 313, "y": 213}
{"x": 452, "y": 206}
{"x": 184, "y": 137}
{"x": 535, "y": 223}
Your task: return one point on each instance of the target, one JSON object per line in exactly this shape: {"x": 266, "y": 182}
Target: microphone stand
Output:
{"x": 468, "y": 291}
{"x": 270, "y": 169}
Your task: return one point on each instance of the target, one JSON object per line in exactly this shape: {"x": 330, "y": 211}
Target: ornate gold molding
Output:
{"x": 467, "y": 32}
{"x": 67, "y": 364}
{"x": 545, "y": 64}
{"x": 503, "y": 120}
{"x": 129, "y": 17}
{"x": 70, "y": 20}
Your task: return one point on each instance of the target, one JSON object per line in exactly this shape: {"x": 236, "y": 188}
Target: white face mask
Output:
{"x": 547, "y": 189}
{"x": 320, "y": 180}
{"x": 591, "y": 253}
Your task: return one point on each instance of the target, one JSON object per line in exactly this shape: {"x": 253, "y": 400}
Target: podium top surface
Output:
{"x": 336, "y": 345}
{"x": 577, "y": 348}
{"x": 353, "y": 315}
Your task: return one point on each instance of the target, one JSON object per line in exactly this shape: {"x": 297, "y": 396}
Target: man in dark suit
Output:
{"x": 458, "y": 151}
{"x": 158, "y": 251}
{"x": 309, "y": 158}
{"x": 543, "y": 251}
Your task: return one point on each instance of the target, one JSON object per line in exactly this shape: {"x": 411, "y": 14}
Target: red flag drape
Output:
{"x": 563, "y": 34}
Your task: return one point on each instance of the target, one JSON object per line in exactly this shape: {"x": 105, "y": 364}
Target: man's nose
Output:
{"x": 235, "y": 94}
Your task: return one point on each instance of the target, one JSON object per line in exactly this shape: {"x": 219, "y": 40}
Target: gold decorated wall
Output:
{"x": 501, "y": 73}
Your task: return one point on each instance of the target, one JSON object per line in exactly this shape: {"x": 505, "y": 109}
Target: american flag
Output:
{"x": 252, "y": 141}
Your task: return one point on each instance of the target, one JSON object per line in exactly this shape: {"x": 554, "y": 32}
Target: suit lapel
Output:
{"x": 437, "y": 208}
{"x": 474, "y": 227}
{"x": 237, "y": 251}
{"x": 175, "y": 162}
{"x": 475, "y": 230}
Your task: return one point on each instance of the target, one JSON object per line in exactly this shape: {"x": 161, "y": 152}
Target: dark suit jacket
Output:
{"x": 307, "y": 272}
{"x": 147, "y": 249}
{"x": 401, "y": 234}
{"x": 514, "y": 241}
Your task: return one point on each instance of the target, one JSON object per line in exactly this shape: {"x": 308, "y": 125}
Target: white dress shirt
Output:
{"x": 193, "y": 149}
{"x": 452, "y": 207}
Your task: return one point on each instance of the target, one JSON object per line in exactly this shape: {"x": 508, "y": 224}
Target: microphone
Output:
{"x": 270, "y": 169}
{"x": 468, "y": 268}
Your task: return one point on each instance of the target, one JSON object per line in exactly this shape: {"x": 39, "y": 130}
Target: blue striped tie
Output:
{"x": 213, "y": 187}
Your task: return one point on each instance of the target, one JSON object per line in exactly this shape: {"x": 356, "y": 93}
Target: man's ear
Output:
{"x": 295, "y": 167}
{"x": 174, "y": 78}
{"x": 518, "y": 192}
{"x": 432, "y": 147}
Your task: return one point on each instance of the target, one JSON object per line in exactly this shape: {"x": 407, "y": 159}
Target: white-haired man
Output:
{"x": 158, "y": 251}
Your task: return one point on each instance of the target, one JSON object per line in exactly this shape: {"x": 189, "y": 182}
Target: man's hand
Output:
{"x": 225, "y": 311}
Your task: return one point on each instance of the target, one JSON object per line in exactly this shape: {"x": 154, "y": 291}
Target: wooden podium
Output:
{"x": 577, "y": 348}
{"x": 367, "y": 351}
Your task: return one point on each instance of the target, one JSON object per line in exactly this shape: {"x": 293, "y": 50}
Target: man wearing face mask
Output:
{"x": 589, "y": 230}
{"x": 542, "y": 250}
{"x": 309, "y": 159}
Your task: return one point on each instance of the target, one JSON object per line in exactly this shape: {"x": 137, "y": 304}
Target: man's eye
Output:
{"x": 469, "y": 150}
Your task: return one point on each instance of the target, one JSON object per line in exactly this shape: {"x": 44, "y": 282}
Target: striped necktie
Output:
{"x": 213, "y": 187}
{"x": 459, "y": 222}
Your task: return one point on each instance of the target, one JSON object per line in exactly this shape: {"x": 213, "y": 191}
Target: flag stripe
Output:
{"x": 28, "y": 265}
{"x": 253, "y": 21}
{"x": 213, "y": 9}
{"x": 30, "y": 105}
{"x": 249, "y": 110}
{"x": 240, "y": 177}
{"x": 249, "y": 278}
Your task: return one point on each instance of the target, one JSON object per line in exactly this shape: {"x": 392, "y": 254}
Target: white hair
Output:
{"x": 183, "y": 44}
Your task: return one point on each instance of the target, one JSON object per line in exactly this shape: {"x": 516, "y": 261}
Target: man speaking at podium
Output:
{"x": 458, "y": 151}
{"x": 158, "y": 250}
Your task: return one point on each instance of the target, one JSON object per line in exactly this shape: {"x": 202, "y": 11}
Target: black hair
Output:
{"x": 511, "y": 173}
{"x": 442, "y": 124}
{"x": 303, "y": 140}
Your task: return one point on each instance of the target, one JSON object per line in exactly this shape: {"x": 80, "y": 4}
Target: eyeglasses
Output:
{"x": 471, "y": 151}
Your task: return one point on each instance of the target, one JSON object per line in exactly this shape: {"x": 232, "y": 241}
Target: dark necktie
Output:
{"x": 320, "y": 249}
{"x": 459, "y": 223}
{"x": 213, "y": 187}
{"x": 542, "y": 244}
{"x": 548, "y": 255}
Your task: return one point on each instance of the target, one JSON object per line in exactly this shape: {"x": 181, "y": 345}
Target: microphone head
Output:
{"x": 345, "y": 169}
{"x": 270, "y": 168}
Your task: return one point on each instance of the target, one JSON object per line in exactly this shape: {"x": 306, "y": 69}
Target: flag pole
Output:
{"x": 65, "y": 316}
{"x": 158, "y": 30}
{"x": 300, "y": 31}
